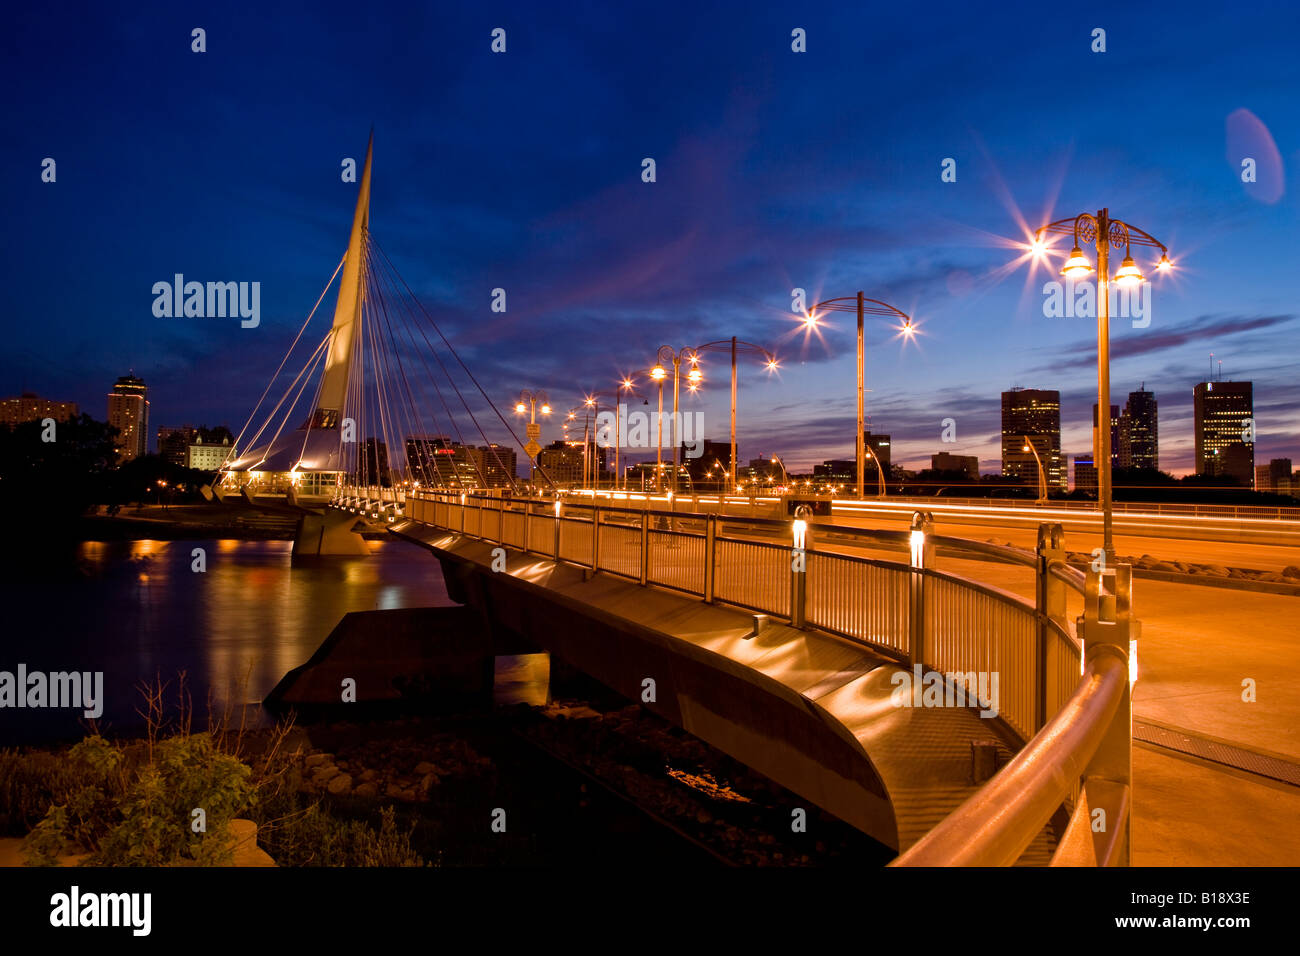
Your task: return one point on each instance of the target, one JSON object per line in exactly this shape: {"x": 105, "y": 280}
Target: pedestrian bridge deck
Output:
{"x": 715, "y": 677}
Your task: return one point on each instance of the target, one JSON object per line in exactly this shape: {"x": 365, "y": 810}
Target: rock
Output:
{"x": 369, "y": 789}
{"x": 1291, "y": 571}
{"x": 424, "y": 767}
{"x": 315, "y": 760}
{"x": 325, "y": 774}
{"x": 340, "y": 784}
{"x": 393, "y": 790}
{"x": 1217, "y": 569}
{"x": 1170, "y": 566}
{"x": 368, "y": 775}
{"x": 1273, "y": 576}
{"x": 427, "y": 781}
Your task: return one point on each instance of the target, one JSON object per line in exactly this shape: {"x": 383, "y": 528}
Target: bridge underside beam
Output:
{"x": 328, "y": 533}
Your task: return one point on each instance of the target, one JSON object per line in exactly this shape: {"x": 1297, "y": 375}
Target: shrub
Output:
{"x": 141, "y": 816}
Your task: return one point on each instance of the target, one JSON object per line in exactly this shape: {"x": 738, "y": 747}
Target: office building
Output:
{"x": 1224, "y": 422}
{"x": 1034, "y": 415}
{"x": 1139, "y": 433}
{"x": 498, "y": 465}
{"x": 1114, "y": 436}
{"x": 968, "y": 464}
{"x": 1085, "y": 473}
{"x": 877, "y": 447}
{"x": 1275, "y": 477}
{"x": 174, "y": 442}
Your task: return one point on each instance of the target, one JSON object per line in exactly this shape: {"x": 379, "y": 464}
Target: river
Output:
{"x": 138, "y": 611}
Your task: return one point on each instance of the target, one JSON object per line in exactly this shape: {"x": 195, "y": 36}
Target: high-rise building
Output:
{"x": 128, "y": 412}
{"x": 374, "y": 463}
{"x": 435, "y": 461}
{"x": 1085, "y": 473}
{"x": 498, "y": 465}
{"x": 711, "y": 468}
{"x": 174, "y": 442}
{"x": 878, "y": 446}
{"x": 1225, "y": 433}
{"x": 1139, "y": 433}
{"x": 563, "y": 462}
{"x": 28, "y": 407}
{"x": 1275, "y": 477}
{"x": 970, "y": 464}
{"x": 1114, "y": 436}
{"x": 1033, "y": 414}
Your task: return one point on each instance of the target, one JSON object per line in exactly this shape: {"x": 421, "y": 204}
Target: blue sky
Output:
{"x": 775, "y": 170}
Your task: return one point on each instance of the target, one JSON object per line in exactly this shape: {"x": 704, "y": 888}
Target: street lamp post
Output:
{"x": 880, "y": 473}
{"x": 1103, "y": 232}
{"x": 735, "y": 346}
{"x": 694, "y": 377}
{"x": 1042, "y": 475}
{"x": 863, "y": 306}
{"x": 529, "y": 401}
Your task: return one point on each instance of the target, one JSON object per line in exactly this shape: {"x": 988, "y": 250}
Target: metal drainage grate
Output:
{"x": 1184, "y": 742}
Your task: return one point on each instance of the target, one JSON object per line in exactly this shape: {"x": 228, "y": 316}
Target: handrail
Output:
{"x": 1069, "y": 574}
{"x": 1009, "y": 554}
{"x": 994, "y": 826}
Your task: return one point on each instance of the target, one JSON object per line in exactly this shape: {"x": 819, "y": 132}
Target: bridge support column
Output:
{"x": 328, "y": 533}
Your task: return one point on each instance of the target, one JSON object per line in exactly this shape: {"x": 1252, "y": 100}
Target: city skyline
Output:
{"x": 601, "y": 268}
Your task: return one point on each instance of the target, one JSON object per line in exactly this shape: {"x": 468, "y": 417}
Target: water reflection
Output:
{"x": 136, "y": 610}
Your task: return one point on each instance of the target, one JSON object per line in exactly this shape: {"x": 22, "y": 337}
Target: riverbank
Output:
{"x": 578, "y": 782}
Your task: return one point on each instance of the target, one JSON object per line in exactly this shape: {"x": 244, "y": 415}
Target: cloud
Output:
{"x": 1204, "y": 328}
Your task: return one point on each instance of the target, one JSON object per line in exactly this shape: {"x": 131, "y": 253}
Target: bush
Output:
{"x": 142, "y": 815}
{"x": 29, "y": 784}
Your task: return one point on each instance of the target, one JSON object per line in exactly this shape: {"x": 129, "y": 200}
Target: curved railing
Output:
{"x": 818, "y": 575}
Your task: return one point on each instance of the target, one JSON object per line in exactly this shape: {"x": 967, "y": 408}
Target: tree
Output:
{"x": 50, "y": 475}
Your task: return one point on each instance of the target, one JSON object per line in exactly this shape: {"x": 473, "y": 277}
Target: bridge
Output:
{"x": 957, "y": 722}
{"x": 855, "y": 682}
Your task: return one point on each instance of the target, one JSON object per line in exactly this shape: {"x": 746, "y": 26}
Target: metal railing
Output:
{"x": 1235, "y": 512}
{"x": 908, "y": 610}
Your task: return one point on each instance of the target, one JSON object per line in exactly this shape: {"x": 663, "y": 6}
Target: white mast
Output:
{"x": 334, "y": 386}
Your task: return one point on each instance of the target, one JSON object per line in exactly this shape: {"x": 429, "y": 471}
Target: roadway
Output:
{"x": 1266, "y": 545}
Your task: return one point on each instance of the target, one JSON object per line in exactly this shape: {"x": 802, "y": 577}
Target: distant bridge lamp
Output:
{"x": 863, "y": 307}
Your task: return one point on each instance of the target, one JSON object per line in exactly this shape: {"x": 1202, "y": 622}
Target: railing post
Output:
{"x": 1108, "y": 626}
{"x": 595, "y": 538}
{"x": 1049, "y": 601}
{"x": 799, "y": 566}
{"x": 710, "y": 554}
{"x": 922, "y": 557}
{"x": 645, "y": 547}
{"x": 528, "y": 521}
{"x": 558, "y": 506}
